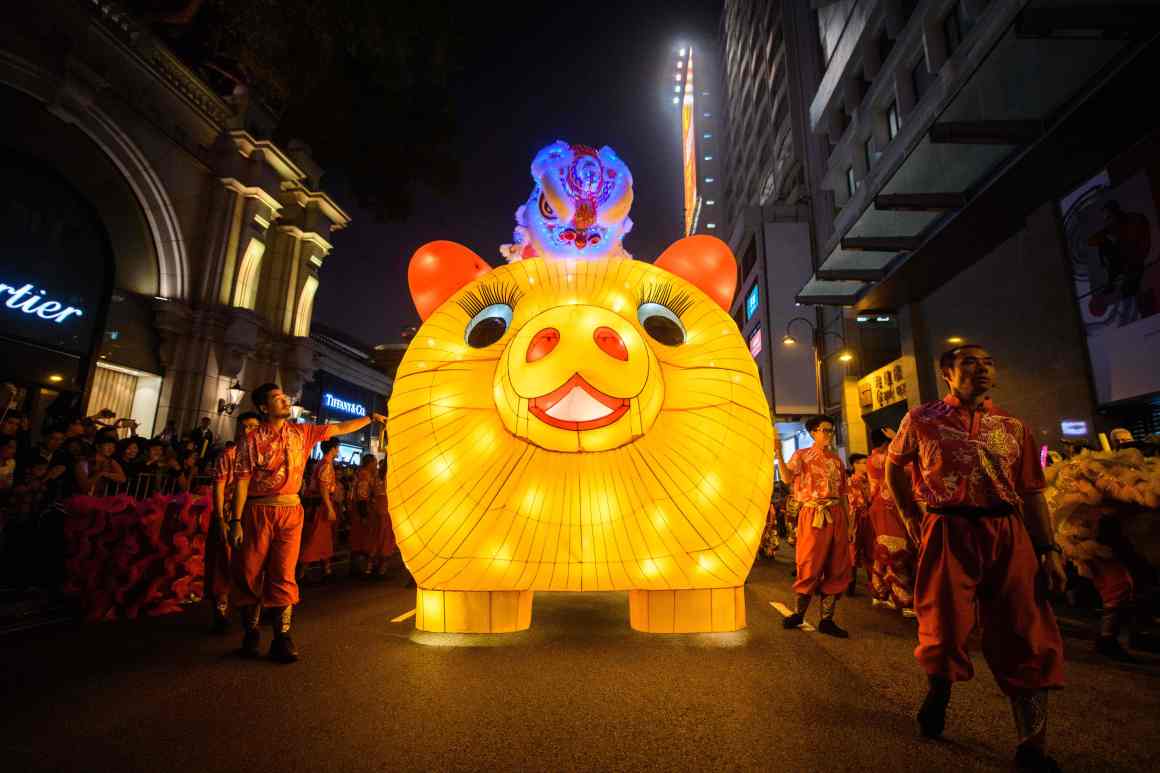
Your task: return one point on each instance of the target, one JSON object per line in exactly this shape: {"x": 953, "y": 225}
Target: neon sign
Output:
{"x": 755, "y": 343}
{"x": 343, "y": 406}
{"x": 1073, "y": 428}
{"x": 751, "y": 301}
{"x": 32, "y": 302}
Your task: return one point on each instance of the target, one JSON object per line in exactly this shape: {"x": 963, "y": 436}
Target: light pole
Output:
{"x": 816, "y": 338}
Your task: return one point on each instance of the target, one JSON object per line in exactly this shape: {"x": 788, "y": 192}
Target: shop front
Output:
{"x": 330, "y": 399}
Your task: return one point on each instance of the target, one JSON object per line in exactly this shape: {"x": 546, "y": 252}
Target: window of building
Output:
{"x": 749, "y": 259}
{"x": 868, "y": 150}
{"x": 885, "y": 45}
{"x": 851, "y": 183}
{"x": 920, "y": 78}
{"x": 952, "y": 31}
{"x": 892, "y": 122}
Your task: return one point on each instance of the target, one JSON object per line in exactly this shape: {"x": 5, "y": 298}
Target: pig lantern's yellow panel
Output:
{"x": 578, "y": 426}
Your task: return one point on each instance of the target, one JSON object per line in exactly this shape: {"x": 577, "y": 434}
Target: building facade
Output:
{"x": 993, "y": 180}
{"x": 187, "y": 257}
{"x": 768, "y": 58}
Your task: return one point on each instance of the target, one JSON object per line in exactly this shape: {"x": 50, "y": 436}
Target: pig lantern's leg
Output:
{"x": 697, "y": 610}
{"x": 473, "y": 611}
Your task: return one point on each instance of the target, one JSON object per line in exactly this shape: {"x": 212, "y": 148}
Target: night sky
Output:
{"x": 597, "y": 74}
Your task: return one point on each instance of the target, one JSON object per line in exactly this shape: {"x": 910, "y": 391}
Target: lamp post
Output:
{"x": 236, "y": 393}
{"x": 816, "y": 338}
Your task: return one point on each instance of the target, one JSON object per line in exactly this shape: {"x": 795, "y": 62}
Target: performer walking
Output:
{"x": 217, "y": 543}
{"x": 266, "y": 529}
{"x": 892, "y": 552}
{"x": 818, "y": 478}
{"x": 859, "y": 499}
{"x": 318, "y": 535}
{"x": 986, "y": 547}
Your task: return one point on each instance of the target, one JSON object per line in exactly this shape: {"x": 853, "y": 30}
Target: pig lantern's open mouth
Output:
{"x": 577, "y": 405}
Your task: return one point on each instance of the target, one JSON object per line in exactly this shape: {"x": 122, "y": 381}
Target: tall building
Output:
{"x": 994, "y": 180}
{"x": 768, "y": 56}
{"x": 694, "y": 99}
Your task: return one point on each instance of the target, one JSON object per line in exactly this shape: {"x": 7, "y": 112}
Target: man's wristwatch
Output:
{"x": 1043, "y": 550}
{"x": 235, "y": 520}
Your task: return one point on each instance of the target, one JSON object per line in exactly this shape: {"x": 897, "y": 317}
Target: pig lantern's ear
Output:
{"x": 440, "y": 269}
{"x": 705, "y": 261}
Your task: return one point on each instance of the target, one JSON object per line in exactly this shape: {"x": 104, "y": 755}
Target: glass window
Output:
{"x": 851, "y": 183}
{"x": 868, "y": 150}
{"x": 920, "y": 78}
{"x": 892, "y": 122}
{"x": 952, "y": 30}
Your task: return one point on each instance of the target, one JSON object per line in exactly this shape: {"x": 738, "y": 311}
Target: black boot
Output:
{"x": 827, "y": 625}
{"x": 251, "y": 635}
{"x": 932, "y": 717}
{"x": 1031, "y": 757}
{"x": 801, "y": 604}
{"x": 282, "y": 649}
{"x": 221, "y": 619}
{"x": 1029, "y": 708}
{"x": 1108, "y": 644}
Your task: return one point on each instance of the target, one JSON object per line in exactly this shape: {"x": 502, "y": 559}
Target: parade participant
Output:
{"x": 266, "y": 530}
{"x": 986, "y": 549}
{"x": 859, "y": 499}
{"x": 892, "y": 552}
{"x": 382, "y": 545}
{"x": 818, "y": 478}
{"x": 318, "y": 534}
{"x": 362, "y": 531}
{"x": 217, "y": 544}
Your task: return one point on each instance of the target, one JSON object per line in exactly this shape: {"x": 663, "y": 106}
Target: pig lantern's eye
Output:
{"x": 661, "y": 324}
{"x": 489, "y": 325}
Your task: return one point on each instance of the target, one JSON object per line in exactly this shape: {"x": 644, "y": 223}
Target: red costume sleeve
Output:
{"x": 245, "y": 463}
{"x": 1030, "y": 478}
{"x": 316, "y": 433}
{"x": 904, "y": 446}
{"x": 794, "y": 464}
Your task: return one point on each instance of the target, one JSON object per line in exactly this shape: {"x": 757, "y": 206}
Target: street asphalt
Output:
{"x": 579, "y": 691}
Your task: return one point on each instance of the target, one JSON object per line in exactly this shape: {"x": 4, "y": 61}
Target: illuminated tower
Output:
{"x": 693, "y": 97}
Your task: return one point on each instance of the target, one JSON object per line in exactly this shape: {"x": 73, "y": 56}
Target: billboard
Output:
{"x": 689, "y": 149}
{"x": 1111, "y": 227}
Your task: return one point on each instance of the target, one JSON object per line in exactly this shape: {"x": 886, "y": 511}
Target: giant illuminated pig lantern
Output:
{"x": 564, "y": 425}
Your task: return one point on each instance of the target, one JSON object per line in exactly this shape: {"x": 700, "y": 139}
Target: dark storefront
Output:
{"x": 329, "y": 399}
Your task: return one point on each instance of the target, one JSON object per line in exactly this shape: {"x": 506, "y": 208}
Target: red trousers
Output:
{"x": 317, "y": 537}
{"x": 1113, "y": 581}
{"x": 263, "y": 567}
{"x": 823, "y": 554}
{"x": 217, "y": 565}
{"x": 986, "y": 565}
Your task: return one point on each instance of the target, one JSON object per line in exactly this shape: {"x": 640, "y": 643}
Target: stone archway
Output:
{"x": 76, "y": 106}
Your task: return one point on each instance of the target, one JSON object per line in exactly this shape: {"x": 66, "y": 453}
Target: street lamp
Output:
{"x": 816, "y": 336}
{"x": 236, "y": 392}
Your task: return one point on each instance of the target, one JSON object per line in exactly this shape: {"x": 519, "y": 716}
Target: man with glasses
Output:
{"x": 818, "y": 478}
{"x": 986, "y": 551}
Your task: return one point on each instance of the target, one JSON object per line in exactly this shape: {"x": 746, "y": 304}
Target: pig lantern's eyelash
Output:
{"x": 665, "y": 294}
{"x": 480, "y": 298}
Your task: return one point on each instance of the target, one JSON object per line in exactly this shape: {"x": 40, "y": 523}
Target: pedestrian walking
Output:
{"x": 818, "y": 478}
{"x": 986, "y": 550}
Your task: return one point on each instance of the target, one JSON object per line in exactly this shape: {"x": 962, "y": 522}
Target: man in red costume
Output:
{"x": 985, "y": 547}
{"x": 892, "y": 551}
{"x": 859, "y": 499}
{"x": 217, "y": 543}
{"x": 818, "y": 478}
{"x": 266, "y": 530}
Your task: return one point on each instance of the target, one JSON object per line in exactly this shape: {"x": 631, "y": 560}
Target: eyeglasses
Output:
{"x": 825, "y": 431}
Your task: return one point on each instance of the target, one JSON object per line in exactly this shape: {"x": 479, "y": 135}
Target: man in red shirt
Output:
{"x": 859, "y": 501}
{"x": 266, "y": 530}
{"x": 217, "y": 544}
{"x": 818, "y": 478}
{"x": 985, "y": 546}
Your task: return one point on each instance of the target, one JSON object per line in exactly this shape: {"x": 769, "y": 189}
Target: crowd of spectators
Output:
{"x": 99, "y": 455}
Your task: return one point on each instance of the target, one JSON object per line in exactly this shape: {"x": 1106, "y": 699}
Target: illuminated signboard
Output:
{"x": 689, "y": 150}
{"x": 755, "y": 342}
{"x": 1073, "y": 428}
{"x": 25, "y": 299}
{"x": 751, "y": 301}
{"x": 343, "y": 406}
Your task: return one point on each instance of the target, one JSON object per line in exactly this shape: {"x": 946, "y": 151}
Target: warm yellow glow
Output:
{"x": 248, "y": 275}
{"x": 667, "y": 496}
{"x": 789, "y": 340}
{"x": 305, "y": 307}
{"x": 56, "y": 378}
{"x": 846, "y": 356}
{"x": 955, "y": 340}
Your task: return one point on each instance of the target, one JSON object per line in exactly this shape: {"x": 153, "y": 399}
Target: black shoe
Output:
{"x": 793, "y": 621}
{"x": 1029, "y": 757}
{"x": 251, "y": 643}
{"x": 282, "y": 649}
{"x": 932, "y": 717}
{"x": 221, "y": 624}
{"x": 830, "y": 628}
{"x": 1109, "y": 647}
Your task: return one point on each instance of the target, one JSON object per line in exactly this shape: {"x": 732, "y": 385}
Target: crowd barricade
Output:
{"x": 127, "y": 556}
{"x": 146, "y": 485}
